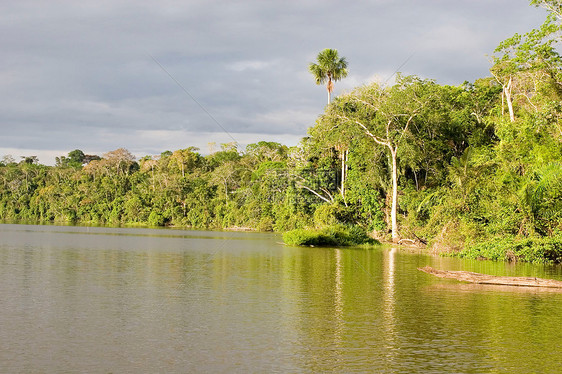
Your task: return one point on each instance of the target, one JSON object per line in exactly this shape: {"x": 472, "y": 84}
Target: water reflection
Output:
{"x": 338, "y": 298}
{"x": 193, "y": 302}
{"x": 389, "y": 302}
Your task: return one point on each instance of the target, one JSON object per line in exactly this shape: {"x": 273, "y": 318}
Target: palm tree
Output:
{"x": 330, "y": 68}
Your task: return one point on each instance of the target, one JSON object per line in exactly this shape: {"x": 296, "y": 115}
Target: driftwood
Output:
{"x": 467, "y": 276}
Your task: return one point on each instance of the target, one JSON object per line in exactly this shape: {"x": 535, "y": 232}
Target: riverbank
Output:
{"x": 537, "y": 250}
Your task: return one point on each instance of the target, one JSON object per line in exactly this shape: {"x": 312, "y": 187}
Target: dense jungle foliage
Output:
{"x": 468, "y": 167}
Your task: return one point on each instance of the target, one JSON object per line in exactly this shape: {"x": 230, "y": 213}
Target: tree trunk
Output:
{"x": 467, "y": 276}
{"x": 343, "y": 172}
{"x": 507, "y": 91}
{"x": 393, "y": 211}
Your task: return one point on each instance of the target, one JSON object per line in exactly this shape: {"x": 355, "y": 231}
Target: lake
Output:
{"x": 124, "y": 300}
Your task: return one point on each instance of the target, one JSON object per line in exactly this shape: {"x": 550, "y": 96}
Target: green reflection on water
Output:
{"x": 198, "y": 302}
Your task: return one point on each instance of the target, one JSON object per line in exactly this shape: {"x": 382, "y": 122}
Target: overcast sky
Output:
{"x": 93, "y": 75}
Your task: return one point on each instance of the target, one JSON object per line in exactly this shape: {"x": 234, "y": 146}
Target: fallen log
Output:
{"x": 467, "y": 276}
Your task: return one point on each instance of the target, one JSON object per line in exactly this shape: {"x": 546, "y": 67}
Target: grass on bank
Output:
{"x": 328, "y": 236}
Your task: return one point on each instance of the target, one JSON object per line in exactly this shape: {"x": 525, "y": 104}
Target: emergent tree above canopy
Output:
{"x": 330, "y": 68}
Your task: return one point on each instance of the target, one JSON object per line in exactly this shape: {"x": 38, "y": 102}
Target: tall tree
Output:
{"x": 529, "y": 64}
{"x": 185, "y": 159}
{"x": 386, "y": 115}
{"x": 120, "y": 160}
{"x": 330, "y": 68}
{"x": 76, "y": 157}
{"x": 328, "y": 139}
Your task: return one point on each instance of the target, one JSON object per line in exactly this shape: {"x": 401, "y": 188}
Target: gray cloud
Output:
{"x": 79, "y": 74}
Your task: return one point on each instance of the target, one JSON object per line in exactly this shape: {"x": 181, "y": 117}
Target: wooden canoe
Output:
{"x": 467, "y": 276}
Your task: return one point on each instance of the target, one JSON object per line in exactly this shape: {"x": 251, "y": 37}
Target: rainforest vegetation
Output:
{"x": 474, "y": 169}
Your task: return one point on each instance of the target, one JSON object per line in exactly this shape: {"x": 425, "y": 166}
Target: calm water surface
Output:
{"x": 101, "y": 300}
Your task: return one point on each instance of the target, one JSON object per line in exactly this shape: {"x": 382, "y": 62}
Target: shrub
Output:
{"x": 155, "y": 219}
{"x": 535, "y": 249}
{"x": 325, "y": 215}
{"x": 335, "y": 235}
{"x": 265, "y": 224}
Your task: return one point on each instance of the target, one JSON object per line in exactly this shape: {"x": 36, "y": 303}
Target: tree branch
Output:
{"x": 315, "y": 193}
{"x": 374, "y": 137}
